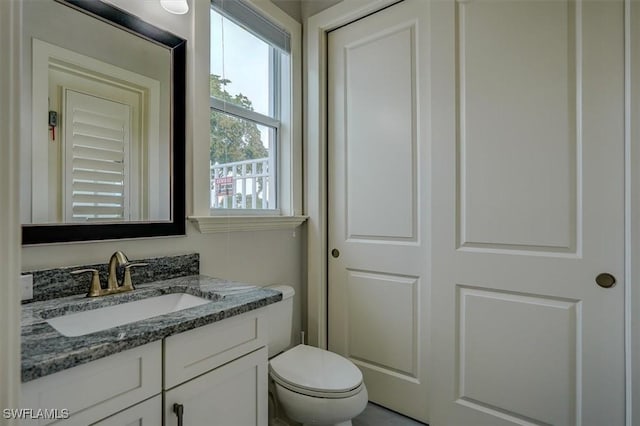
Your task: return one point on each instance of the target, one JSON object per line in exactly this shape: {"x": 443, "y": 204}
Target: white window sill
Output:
{"x": 213, "y": 224}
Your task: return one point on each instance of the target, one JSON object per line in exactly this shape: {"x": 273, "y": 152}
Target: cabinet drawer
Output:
{"x": 93, "y": 391}
{"x": 197, "y": 351}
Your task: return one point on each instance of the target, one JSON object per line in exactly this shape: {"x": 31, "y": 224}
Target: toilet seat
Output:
{"x": 316, "y": 372}
{"x": 315, "y": 393}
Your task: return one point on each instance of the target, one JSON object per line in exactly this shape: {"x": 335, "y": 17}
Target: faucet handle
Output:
{"x": 127, "y": 284}
{"x": 95, "y": 289}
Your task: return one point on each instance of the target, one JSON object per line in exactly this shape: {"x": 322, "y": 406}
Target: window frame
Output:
{"x": 289, "y": 146}
{"x": 222, "y": 107}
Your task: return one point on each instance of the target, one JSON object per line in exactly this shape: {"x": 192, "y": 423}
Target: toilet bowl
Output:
{"x": 318, "y": 387}
{"x": 313, "y": 386}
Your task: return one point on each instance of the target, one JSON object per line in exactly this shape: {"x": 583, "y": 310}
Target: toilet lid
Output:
{"x": 314, "y": 369}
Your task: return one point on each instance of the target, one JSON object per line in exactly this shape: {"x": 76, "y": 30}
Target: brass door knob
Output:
{"x": 335, "y": 253}
{"x": 605, "y": 280}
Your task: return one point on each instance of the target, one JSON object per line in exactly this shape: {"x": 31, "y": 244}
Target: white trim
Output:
{"x": 632, "y": 214}
{"x": 628, "y": 275}
{"x": 198, "y": 53}
{"x": 10, "y": 250}
{"x": 214, "y": 224}
{"x": 245, "y": 212}
{"x": 315, "y": 153}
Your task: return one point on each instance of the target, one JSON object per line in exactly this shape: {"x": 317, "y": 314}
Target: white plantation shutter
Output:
{"x": 97, "y": 140}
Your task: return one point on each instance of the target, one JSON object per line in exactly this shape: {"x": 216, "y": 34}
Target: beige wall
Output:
{"x": 311, "y": 7}
{"x": 291, "y": 7}
{"x": 258, "y": 257}
{"x": 302, "y": 9}
{"x": 263, "y": 257}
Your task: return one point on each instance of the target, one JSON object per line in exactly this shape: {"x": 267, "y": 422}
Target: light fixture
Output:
{"x": 179, "y": 7}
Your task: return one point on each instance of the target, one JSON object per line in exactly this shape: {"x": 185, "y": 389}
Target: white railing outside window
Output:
{"x": 248, "y": 184}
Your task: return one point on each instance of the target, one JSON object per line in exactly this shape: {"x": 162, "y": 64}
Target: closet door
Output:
{"x": 379, "y": 218}
{"x": 528, "y": 232}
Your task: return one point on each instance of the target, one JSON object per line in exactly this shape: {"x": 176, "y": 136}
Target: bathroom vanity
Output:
{"x": 201, "y": 363}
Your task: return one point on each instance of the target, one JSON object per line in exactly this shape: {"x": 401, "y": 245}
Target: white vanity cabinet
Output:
{"x": 218, "y": 374}
{"x": 147, "y": 413}
{"x": 234, "y": 394}
{"x": 93, "y": 391}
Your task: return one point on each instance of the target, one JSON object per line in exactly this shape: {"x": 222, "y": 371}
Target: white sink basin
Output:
{"x": 87, "y": 322}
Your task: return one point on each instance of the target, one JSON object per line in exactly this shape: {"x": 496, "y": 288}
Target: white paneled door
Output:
{"x": 378, "y": 192}
{"x": 527, "y": 208}
{"x": 476, "y": 209}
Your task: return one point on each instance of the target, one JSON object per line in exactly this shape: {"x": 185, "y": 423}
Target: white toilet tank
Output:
{"x": 280, "y": 320}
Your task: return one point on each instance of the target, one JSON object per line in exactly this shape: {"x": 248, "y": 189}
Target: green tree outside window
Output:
{"x": 232, "y": 139}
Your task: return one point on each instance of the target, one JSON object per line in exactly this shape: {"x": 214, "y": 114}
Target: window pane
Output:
{"x": 242, "y": 163}
{"x": 240, "y": 66}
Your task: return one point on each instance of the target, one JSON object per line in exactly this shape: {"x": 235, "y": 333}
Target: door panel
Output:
{"x": 379, "y": 126}
{"x": 518, "y": 138}
{"x": 378, "y": 183}
{"x": 491, "y": 353}
{"x": 393, "y": 346}
{"x": 530, "y": 108}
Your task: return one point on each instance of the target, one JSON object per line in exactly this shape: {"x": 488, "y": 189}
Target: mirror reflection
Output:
{"x": 99, "y": 149}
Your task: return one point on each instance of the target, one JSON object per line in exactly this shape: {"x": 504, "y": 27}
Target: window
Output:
{"x": 250, "y": 82}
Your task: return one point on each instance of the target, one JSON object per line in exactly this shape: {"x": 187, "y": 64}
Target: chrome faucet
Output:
{"x": 117, "y": 260}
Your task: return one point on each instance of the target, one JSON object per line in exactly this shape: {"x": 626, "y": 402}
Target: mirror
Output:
{"x": 104, "y": 152}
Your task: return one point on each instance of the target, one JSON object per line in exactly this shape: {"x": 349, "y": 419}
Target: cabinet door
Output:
{"x": 147, "y": 413}
{"x": 234, "y": 394}
{"x": 95, "y": 390}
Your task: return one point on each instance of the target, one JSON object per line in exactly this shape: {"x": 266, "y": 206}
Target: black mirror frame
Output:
{"x": 43, "y": 234}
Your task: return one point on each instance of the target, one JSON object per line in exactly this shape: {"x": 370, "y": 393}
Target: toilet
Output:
{"x": 312, "y": 385}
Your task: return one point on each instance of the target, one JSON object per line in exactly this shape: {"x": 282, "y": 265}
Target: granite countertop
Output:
{"x": 46, "y": 351}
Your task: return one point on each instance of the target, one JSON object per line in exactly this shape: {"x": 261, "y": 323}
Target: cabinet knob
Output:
{"x": 178, "y": 409}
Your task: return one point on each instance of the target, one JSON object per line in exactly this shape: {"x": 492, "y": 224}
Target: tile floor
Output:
{"x": 375, "y": 415}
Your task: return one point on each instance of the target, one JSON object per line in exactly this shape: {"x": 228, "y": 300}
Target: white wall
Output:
{"x": 263, "y": 257}
{"x": 9, "y": 214}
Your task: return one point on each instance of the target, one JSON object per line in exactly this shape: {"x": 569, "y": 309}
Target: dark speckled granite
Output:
{"x": 58, "y": 282}
{"x": 45, "y": 351}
